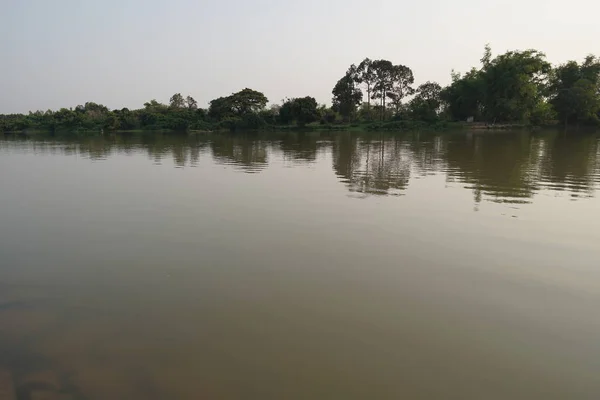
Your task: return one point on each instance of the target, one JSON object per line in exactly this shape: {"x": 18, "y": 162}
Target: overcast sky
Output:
{"x": 122, "y": 53}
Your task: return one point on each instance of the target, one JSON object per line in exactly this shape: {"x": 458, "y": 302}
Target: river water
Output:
{"x": 301, "y": 266}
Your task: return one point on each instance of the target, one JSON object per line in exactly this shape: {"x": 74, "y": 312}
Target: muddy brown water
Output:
{"x": 301, "y": 266}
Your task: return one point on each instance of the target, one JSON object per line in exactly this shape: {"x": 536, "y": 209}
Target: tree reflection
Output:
{"x": 513, "y": 167}
{"x": 302, "y": 146}
{"x": 571, "y": 163}
{"x": 500, "y": 167}
{"x": 250, "y": 154}
{"x": 372, "y": 164}
{"x": 510, "y": 167}
{"x": 185, "y": 150}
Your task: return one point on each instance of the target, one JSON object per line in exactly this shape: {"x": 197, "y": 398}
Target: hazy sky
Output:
{"x": 122, "y": 53}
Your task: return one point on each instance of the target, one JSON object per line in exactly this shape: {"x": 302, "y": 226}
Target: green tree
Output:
{"x": 303, "y": 110}
{"x": 220, "y": 108}
{"x": 583, "y": 102}
{"x": 248, "y": 101}
{"x": 463, "y": 98}
{"x": 366, "y": 112}
{"x": 402, "y": 79}
{"x": 346, "y": 96}
{"x": 154, "y": 105}
{"x": 177, "y": 101}
{"x": 127, "y": 119}
{"x": 111, "y": 122}
{"x": 514, "y": 85}
{"x": 366, "y": 75}
{"x": 575, "y": 91}
{"x": 487, "y": 55}
{"x": 191, "y": 103}
{"x": 384, "y": 81}
{"x": 286, "y": 113}
{"x": 239, "y": 105}
{"x": 507, "y": 88}
{"x": 425, "y": 106}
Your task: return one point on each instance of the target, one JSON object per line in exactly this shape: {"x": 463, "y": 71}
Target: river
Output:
{"x": 301, "y": 266}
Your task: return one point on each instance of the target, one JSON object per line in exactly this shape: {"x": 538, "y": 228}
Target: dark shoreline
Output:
{"x": 390, "y": 127}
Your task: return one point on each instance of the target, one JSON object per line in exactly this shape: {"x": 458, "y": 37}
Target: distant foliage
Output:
{"x": 574, "y": 91}
{"x": 301, "y": 110}
{"x": 346, "y": 95}
{"x": 517, "y": 87}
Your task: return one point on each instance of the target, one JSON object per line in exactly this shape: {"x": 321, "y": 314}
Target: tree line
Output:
{"x": 244, "y": 110}
{"x": 517, "y": 87}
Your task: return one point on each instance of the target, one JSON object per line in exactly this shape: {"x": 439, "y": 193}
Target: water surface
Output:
{"x": 301, "y": 266}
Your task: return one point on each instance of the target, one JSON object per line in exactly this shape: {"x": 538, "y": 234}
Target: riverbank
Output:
{"x": 389, "y": 127}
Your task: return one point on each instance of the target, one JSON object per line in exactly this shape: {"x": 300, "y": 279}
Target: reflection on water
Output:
{"x": 501, "y": 167}
{"x": 374, "y": 165}
{"x": 300, "y": 265}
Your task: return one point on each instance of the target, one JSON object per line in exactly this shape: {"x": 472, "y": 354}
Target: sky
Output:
{"x": 122, "y": 53}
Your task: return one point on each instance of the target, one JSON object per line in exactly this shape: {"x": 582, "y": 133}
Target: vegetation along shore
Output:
{"x": 517, "y": 88}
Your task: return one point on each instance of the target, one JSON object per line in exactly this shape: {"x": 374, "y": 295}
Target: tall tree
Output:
{"x": 487, "y": 55}
{"x": 346, "y": 96}
{"x": 177, "y": 101}
{"x": 402, "y": 79}
{"x": 575, "y": 91}
{"x": 191, "y": 103}
{"x": 366, "y": 76}
{"x": 425, "y": 106}
{"x": 286, "y": 113}
{"x": 384, "y": 81}
{"x": 464, "y": 96}
{"x": 514, "y": 85}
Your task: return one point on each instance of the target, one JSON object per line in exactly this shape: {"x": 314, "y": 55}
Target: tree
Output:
{"x": 508, "y": 88}
{"x": 366, "y": 112}
{"x": 402, "y": 79}
{"x": 487, "y": 55}
{"x": 425, "y": 106}
{"x": 384, "y": 81}
{"x": 582, "y": 101}
{"x": 303, "y": 110}
{"x": 430, "y": 91}
{"x": 248, "y": 101}
{"x": 177, "y": 101}
{"x": 220, "y": 108}
{"x": 346, "y": 96}
{"x": 127, "y": 119}
{"x": 239, "y": 104}
{"x": 154, "y": 105}
{"x": 286, "y": 113}
{"x": 513, "y": 85}
{"x": 191, "y": 103}
{"x": 463, "y": 98}
{"x": 574, "y": 91}
{"x": 366, "y": 75}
